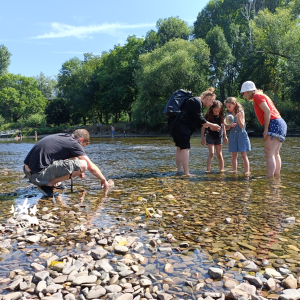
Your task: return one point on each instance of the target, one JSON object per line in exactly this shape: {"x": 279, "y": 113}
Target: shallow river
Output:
{"x": 194, "y": 209}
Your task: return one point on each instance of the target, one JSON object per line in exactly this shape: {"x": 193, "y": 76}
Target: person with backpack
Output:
{"x": 185, "y": 114}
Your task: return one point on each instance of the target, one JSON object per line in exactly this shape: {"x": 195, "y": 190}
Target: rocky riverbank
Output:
{"x": 115, "y": 263}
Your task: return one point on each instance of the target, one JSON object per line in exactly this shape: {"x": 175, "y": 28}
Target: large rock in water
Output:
{"x": 33, "y": 238}
{"x": 215, "y": 273}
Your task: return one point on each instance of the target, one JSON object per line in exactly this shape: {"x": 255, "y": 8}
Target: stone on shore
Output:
{"x": 215, "y": 273}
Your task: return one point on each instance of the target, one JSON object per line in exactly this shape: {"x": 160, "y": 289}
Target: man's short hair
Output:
{"x": 82, "y": 133}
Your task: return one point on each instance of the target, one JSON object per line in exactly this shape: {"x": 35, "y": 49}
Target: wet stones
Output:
{"x": 272, "y": 273}
{"x": 290, "y": 282}
{"x": 104, "y": 265}
{"x": 254, "y": 280}
{"x": 33, "y": 238}
{"x": 121, "y": 249}
{"x": 215, "y": 273}
{"x": 37, "y": 267}
{"x": 250, "y": 266}
{"x": 98, "y": 253}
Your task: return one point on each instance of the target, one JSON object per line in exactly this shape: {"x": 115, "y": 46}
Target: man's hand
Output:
{"x": 82, "y": 175}
{"x": 105, "y": 184}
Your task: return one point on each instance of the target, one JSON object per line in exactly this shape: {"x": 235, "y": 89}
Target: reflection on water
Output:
{"x": 215, "y": 213}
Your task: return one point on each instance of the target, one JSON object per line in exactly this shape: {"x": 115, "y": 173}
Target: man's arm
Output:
{"x": 95, "y": 170}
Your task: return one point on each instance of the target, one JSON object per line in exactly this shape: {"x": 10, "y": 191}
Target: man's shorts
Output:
{"x": 181, "y": 135}
{"x": 212, "y": 141}
{"x": 57, "y": 169}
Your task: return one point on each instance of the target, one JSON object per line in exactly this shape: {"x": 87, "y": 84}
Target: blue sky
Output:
{"x": 42, "y": 35}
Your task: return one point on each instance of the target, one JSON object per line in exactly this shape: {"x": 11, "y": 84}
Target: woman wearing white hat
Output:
{"x": 275, "y": 127}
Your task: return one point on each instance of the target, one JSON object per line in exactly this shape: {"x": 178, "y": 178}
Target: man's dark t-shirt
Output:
{"x": 53, "y": 147}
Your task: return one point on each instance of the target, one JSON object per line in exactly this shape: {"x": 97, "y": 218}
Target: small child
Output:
{"x": 238, "y": 137}
{"x": 215, "y": 114}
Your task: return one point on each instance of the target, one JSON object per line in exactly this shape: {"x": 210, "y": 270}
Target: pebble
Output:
{"x": 33, "y": 238}
{"x": 215, "y": 273}
{"x": 121, "y": 249}
{"x": 84, "y": 279}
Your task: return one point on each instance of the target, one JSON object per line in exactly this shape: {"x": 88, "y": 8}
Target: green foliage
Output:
{"x": 19, "y": 97}
{"x": 2, "y": 120}
{"x": 172, "y": 28}
{"x": 47, "y": 86}
{"x": 35, "y": 120}
{"x": 114, "y": 77}
{"x": 4, "y": 59}
{"x": 177, "y": 64}
{"x": 57, "y": 112}
{"x": 151, "y": 41}
{"x": 221, "y": 59}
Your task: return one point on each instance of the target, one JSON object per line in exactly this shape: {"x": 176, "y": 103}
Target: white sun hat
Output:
{"x": 248, "y": 86}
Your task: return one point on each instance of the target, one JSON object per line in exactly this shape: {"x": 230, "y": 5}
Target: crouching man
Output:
{"x": 59, "y": 157}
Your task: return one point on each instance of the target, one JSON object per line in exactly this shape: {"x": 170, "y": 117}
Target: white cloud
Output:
{"x": 60, "y": 30}
{"x": 75, "y": 52}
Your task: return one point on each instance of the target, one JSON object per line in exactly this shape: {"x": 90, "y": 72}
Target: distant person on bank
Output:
{"x": 59, "y": 157}
{"x": 275, "y": 127}
{"x": 190, "y": 118}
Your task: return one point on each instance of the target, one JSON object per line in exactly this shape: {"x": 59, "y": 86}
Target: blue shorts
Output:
{"x": 112, "y": 132}
{"x": 277, "y": 128}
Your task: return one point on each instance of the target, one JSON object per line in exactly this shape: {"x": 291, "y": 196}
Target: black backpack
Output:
{"x": 176, "y": 101}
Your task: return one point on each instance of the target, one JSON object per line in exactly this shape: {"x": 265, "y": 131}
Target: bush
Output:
{"x": 2, "y": 120}
{"x": 35, "y": 120}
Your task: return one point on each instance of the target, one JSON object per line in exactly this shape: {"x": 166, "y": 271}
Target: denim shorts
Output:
{"x": 277, "y": 128}
{"x": 57, "y": 169}
{"x": 214, "y": 141}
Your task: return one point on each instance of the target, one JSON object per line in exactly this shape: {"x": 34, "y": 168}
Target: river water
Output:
{"x": 214, "y": 213}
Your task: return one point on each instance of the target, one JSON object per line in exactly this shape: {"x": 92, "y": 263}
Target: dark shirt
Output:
{"x": 215, "y": 134}
{"x": 53, "y": 147}
{"x": 192, "y": 109}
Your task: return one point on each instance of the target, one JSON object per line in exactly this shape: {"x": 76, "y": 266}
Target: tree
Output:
{"x": 172, "y": 28}
{"x": 20, "y": 97}
{"x": 4, "y": 59}
{"x": 47, "y": 86}
{"x": 151, "y": 41}
{"x": 177, "y": 64}
{"x": 115, "y": 78}
{"x": 221, "y": 60}
{"x": 57, "y": 112}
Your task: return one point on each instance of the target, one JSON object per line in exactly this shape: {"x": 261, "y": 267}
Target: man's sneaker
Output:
{"x": 61, "y": 186}
{"x": 46, "y": 190}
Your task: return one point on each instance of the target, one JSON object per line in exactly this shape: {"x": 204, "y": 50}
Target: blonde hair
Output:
{"x": 82, "y": 133}
{"x": 209, "y": 93}
{"x": 238, "y": 107}
{"x": 252, "y": 93}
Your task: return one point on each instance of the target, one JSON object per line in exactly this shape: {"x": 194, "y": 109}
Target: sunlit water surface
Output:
{"x": 144, "y": 168}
